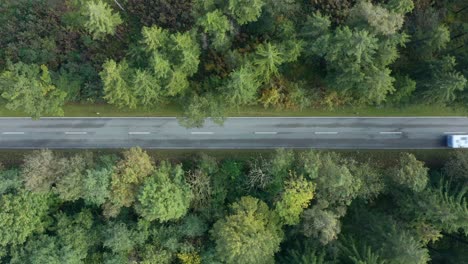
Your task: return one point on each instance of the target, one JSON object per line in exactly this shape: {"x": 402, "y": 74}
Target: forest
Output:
{"x": 210, "y": 56}
{"x": 283, "y": 207}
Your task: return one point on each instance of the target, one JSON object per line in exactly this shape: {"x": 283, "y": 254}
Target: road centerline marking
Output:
{"x": 13, "y": 133}
{"x": 76, "y": 133}
{"x": 325, "y": 133}
{"x": 265, "y": 133}
{"x": 390, "y": 132}
{"x": 201, "y": 133}
{"x": 139, "y": 133}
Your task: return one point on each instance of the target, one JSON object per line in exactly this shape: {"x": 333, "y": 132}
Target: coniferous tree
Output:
{"x": 101, "y": 21}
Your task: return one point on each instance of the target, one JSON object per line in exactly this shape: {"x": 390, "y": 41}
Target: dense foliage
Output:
{"x": 211, "y": 56}
{"x": 287, "y": 207}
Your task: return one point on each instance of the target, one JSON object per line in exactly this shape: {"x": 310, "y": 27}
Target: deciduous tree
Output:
{"x": 410, "y": 173}
{"x": 297, "y": 194}
{"x": 251, "y": 234}
{"x": 96, "y": 186}
{"x": 165, "y": 195}
{"x": 22, "y": 214}
{"x": 129, "y": 174}
{"x": 40, "y": 170}
{"x": 321, "y": 224}
{"x": 69, "y": 185}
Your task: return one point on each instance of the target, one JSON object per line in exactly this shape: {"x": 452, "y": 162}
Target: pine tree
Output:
{"x": 101, "y": 21}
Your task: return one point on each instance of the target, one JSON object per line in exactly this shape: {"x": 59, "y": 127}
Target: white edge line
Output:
{"x": 265, "y": 133}
{"x": 13, "y": 133}
{"x": 76, "y": 133}
{"x": 454, "y": 132}
{"x": 138, "y": 133}
{"x": 201, "y": 133}
{"x": 232, "y": 117}
{"x": 225, "y": 148}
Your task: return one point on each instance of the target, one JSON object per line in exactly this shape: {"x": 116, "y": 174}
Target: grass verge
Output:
{"x": 96, "y": 110}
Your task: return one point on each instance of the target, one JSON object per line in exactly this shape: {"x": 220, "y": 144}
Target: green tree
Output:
{"x": 39, "y": 249}
{"x": 217, "y": 26}
{"x": 376, "y": 18}
{"x": 315, "y": 26}
{"x": 400, "y": 6}
{"x": 154, "y": 38}
{"x": 242, "y": 86}
{"x": 404, "y": 88}
{"x": 302, "y": 252}
{"x": 295, "y": 198}
{"x": 96, "y": 185}
{"x": 388, "y": 237}
{"x": 280, "y": 167}
{"x": 72, "y": 238}
{"x": 69, "y": 185}
{"x": 119, "y": 238}
{"x": 245, "y": 11}
{"x": 251, "y": 234}
{"x": 371, "y": 178}
{"x": 268, "y": 59}
{"x": 10, "y": 180}
{"x": 40, "y": 170}
{"x": 200, "y": 185}
{"x": 410, "y": 173}
{"x": 173, "y": 58}
{"x": 200, "y": 108}
{"x": 352, "y": 64}
{"x": 76, "y": 235}
{"x": 116, "y": 78}
{"x": 101, "y": 21}
{"x": 188, "y": 48}
{"x": 29, "y": 88}
{"x": 22, "y": 214}
{"x": 444, "y": 209}
{"x": 335, "y": 184}
{"x": 456, "y": 168}
{"x": 359, "y": 254}
{"x": 129, "y": 174}
{"x": 146, "y": 89}
{"x": 165, "y": 195}
{"x": 444, "y": 82}
{"x": 321, "y": 224}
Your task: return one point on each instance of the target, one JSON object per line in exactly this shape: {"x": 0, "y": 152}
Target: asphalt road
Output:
{"x": 237, "y": 133}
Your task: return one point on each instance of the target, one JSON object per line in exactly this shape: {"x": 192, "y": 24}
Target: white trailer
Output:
{"x": 457, "y": 141}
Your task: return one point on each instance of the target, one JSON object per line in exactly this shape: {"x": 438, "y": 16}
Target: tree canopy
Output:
{"x": 210, "y": 58}
{"x": 290, "y": 206}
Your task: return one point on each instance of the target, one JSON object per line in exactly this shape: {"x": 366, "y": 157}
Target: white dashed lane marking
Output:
{"x": 326, "y": 133}
{"x": 139, "y": 133}
{"x": 201, "y": 133}
{"x": 76, "y": 133}
{"x": 391, "y": 132}
{"x": 265, "y": 133}
{"x": 13, "y": 133}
